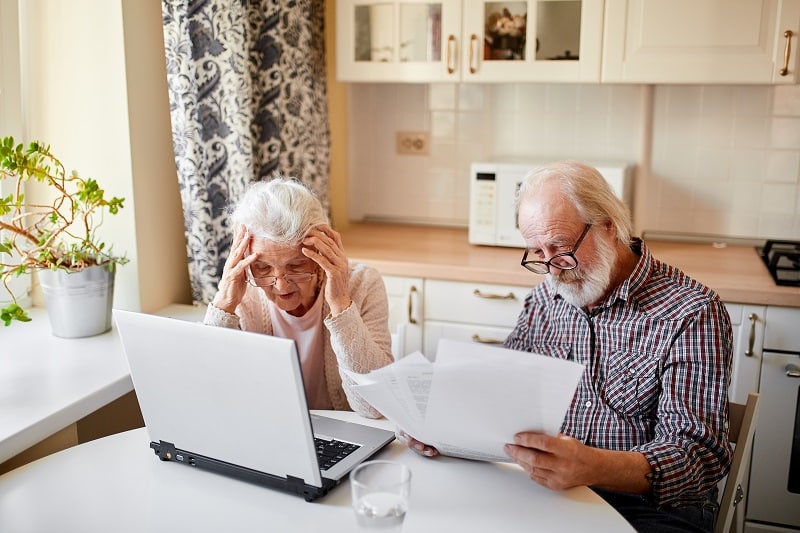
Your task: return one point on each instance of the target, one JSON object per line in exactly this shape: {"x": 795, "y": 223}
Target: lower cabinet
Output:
{"x": 748, "y": 338}
{"x": 422, "y": 311}
{"x": 475, "y": 312}
{"x": 435, "y": 330}
{"x": 405, "y": 313}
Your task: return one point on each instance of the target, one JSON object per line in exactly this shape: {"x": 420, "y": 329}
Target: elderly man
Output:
{"x": 648, "y": 426}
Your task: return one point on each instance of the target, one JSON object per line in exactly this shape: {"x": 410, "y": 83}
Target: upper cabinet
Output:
{"x": 713, "y": 41}
{"x": 590, "y": 41}
{"x": 469, "y": 40}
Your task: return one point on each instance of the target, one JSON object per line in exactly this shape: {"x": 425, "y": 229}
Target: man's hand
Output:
{"x": 562, "y": 462}
{"x": 555, "y": 462}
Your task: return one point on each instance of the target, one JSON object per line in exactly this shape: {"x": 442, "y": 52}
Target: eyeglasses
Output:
{"x": 269, "y": 281}
{"x": 565, "y": 261}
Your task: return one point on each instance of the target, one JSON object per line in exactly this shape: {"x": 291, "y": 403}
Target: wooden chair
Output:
{"x": 742, "y": 427}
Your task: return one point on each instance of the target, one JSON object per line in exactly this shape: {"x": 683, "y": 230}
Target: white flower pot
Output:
{"x": 78, "y": 303}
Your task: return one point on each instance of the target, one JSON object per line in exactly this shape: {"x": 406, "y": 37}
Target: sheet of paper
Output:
{"x": 474, "y": 398}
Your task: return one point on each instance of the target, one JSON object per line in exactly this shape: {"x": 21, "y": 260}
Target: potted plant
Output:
{"x": 57, "y": 239}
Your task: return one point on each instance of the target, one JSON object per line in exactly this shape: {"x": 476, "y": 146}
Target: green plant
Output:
{"x": 57, "y": 235}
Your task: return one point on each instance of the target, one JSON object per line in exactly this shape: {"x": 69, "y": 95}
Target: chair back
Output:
{"x": 742, "y": 427}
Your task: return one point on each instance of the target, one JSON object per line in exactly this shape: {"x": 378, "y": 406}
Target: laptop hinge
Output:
{"x": 299, "y": 487}
{"x": 166, "y": 451}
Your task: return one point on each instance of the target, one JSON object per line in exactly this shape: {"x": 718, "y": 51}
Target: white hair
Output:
{"x": 281, "y": 210}
{"x": 588, "y": 191}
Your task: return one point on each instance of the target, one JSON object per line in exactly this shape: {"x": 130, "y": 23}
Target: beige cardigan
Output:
{"x": 358, "y": 339}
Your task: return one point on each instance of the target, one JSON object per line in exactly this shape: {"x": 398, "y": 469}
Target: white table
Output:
{"x": 117, "y": 484}
{"x": 48, "y": 383}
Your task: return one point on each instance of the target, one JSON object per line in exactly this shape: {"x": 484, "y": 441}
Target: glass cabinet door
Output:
{"x": 400, "y": 40}
{"x": 469, "y": 40}
{"x": 532, "y": 40}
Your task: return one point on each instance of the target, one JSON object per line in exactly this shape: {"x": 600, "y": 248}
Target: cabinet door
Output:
{"x": 532, "y": 40}
{"x": 397, "y": 40}
{"x": 405, "y": 313}
{"x": 748, "y": 338}
{"x": 713, "y": 41}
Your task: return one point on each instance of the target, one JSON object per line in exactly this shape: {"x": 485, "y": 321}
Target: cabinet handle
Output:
{"x": 792, "y": 371}
{"x": 411, "y": 292}
{"x": 451, "y": 54}
{"x": 753, "y": 318}
{"x": 490, "y": 296}
{"x": 785, "y": 70}
{"x": 473, "y": 43}
{"x": 478, "y": 338}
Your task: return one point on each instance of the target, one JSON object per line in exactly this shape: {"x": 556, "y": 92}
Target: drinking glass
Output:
{"x": 380, "y": 495}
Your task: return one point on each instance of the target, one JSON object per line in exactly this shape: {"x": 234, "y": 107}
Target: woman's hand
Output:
{"x": 419, "y": 447}
{"x": 323, "y": 245}
{"x": 233, "y": 283}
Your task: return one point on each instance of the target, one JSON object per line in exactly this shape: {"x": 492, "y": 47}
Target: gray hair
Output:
{"x": 588, "y": 191}
{"x": 281, "y": 210}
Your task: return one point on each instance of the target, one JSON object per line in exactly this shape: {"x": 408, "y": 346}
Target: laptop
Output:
{"x": 233, "y": 402}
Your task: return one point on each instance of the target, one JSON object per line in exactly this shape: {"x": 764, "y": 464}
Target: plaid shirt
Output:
{"x": 657, "y": 355}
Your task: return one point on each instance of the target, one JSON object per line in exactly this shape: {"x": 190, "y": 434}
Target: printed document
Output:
{"x": 474, "y": 398}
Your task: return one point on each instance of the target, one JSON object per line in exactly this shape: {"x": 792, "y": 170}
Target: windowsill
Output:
{"x": 49, "y": 383}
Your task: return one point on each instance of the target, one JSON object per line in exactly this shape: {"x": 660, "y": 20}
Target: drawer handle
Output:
{"x": 411, "y": 292}
{"x": 490, "y": 296}
{"x": 753, "y": 318}
{"x": 785, "y": 70}
{"x": 792, "y": 371}
{"x": 478, "y": 338}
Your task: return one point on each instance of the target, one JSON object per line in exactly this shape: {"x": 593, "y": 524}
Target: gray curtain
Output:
{"x": 247, "y": 99}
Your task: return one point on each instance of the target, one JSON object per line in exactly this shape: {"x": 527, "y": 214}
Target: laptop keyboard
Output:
{"x": 330, "y": 452}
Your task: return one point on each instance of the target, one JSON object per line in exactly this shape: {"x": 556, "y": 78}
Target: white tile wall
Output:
{"x": 725, "y": 160}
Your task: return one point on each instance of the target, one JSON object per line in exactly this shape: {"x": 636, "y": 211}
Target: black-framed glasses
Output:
{"x": 269, "y": 281}
{"x": 565, "y": 261}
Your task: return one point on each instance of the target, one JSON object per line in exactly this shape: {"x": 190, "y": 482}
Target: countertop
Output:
{"x": 735, "y": 272}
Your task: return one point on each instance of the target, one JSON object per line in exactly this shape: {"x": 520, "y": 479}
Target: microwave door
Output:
{"x": 506, "y": 216}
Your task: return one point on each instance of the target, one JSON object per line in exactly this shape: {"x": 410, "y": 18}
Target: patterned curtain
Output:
{"x": 247, "y": 99}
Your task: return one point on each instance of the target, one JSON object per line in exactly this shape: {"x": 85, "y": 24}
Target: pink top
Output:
{"x": 306, "y": 331}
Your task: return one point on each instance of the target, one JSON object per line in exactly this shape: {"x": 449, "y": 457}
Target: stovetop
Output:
{"x": 782, "y": 259}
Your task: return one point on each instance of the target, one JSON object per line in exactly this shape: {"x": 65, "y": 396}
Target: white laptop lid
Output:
{"x": 231, "y": 395}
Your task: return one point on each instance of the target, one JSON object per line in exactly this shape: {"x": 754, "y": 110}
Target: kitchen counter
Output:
{"x": 735, "y": 272}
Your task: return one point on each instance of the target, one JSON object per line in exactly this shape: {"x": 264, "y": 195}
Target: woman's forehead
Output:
{"x": 276, "y": 253}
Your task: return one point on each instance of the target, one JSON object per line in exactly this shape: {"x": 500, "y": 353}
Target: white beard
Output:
{"x": 582, "y": 288}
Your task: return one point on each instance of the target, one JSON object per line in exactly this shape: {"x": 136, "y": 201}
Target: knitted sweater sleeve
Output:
{"x": 359, "y": 337}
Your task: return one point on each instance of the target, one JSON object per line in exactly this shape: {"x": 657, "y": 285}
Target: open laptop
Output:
{"x": 233, "y": 402}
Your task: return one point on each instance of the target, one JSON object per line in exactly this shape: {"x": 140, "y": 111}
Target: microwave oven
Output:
{"x": 493, "y": 191}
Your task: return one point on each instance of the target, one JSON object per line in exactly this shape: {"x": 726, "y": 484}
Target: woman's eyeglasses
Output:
{"x": 565, "y": 261}
{"x": 269, "y": 281}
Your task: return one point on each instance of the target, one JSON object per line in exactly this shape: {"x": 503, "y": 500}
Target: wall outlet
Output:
{"x": 413, "y": 143}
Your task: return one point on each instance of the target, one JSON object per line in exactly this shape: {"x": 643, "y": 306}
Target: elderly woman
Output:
{"x": 287, "y": 275}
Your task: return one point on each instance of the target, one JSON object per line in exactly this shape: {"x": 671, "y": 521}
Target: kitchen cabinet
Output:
{"x": 774, "y": 489}
{"x": 714, "y": 41}
{"x": 405, "y": 313}
{"x": 469, "y": 40}
{"x": 747, "y": 322}
{"x": 422, "y": 311}
{"x": 476, "y": 312}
